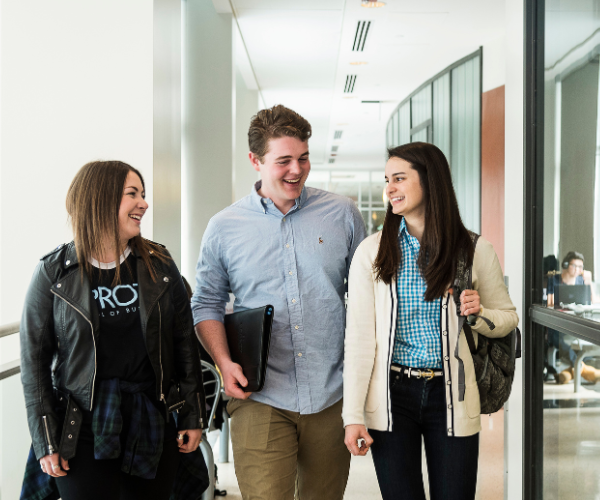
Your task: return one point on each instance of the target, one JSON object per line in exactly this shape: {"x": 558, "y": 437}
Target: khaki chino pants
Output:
{"x": 279, "y": 453}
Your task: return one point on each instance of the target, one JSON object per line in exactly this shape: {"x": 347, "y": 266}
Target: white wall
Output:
{"x": 494, "y": 64}
{"x": 513, "y": 251}
{"x": 76, "y": 84}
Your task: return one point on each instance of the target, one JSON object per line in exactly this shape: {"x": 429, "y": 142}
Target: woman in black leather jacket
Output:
{"x": 109, "y": 359}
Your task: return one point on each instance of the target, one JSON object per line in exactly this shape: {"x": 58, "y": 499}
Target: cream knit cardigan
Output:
{"x": 370, "y": 333}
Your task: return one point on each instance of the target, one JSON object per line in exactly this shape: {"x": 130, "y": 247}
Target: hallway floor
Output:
{"x": 362, "y": 483}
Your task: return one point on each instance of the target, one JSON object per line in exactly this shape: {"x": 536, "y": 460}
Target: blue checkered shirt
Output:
{"x": 418, "y": 326}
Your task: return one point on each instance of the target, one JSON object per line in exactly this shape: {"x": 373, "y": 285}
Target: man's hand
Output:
{"x": 50, "y": 465}
{"x": 469, "y": 302}
{"x": 358, "y": 440}
{"x": 194, "y": 438}
{"x": 233, "y": 378}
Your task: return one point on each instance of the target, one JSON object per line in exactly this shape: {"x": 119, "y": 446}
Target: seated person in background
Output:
{"x": 572, "y": 274}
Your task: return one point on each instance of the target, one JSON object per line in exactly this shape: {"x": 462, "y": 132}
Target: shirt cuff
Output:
{"x": 204, "y": 314}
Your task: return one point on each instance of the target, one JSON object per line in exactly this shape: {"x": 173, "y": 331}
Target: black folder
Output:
{"x": 248, "y": 337}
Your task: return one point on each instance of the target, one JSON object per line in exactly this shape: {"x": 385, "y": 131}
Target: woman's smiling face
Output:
{"x": 404, "y": 189}
{"x": 132, "y": 209}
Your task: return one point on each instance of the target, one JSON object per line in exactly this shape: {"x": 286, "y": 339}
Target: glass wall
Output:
{"x": 446, "y": 111}
{"x": 563, "y": 247}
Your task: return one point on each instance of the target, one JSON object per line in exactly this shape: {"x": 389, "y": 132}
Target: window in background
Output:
{"x": 365, "y": 188}
{"x": 446, "y": 111}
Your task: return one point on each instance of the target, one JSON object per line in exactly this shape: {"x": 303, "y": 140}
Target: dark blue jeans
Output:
{"x": 419, "y": 409}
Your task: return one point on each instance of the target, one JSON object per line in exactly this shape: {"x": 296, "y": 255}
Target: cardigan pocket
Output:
{"x": 373, "y": 398}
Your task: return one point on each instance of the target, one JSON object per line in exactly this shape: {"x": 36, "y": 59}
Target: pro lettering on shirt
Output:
{"x": 120, "y": 345}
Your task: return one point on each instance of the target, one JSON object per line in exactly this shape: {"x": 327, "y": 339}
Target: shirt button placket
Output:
{"x": 295, "y": 311}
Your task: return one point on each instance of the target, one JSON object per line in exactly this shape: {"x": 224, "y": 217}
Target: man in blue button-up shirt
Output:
{"x": 289, "y": 246}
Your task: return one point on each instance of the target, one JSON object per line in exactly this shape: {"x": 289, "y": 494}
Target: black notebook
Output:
{"x": 248, "y": 337}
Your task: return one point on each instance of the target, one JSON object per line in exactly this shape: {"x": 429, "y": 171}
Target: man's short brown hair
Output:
{"x": 274, "y": 123}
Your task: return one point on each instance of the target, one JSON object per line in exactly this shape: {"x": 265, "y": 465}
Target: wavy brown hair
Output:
{"x": 93, "y": 203}
{"x": 274, "y": 123}
{"x": 445, "y": 237}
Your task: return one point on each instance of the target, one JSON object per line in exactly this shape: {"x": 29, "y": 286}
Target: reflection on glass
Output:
{"x": 404, "y": 113}
{"x": 420, "y": 136}
{"x": 571, "y": 247}
{"x": 421, "y": 106}
{"x": 571, "y": 151}
{"x": 571, "y": 419}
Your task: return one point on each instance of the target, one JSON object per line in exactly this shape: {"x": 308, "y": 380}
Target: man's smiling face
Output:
{"x": 283, "y": 171}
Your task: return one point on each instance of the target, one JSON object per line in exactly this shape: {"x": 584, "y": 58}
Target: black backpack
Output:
{"x": 494, "y": 358}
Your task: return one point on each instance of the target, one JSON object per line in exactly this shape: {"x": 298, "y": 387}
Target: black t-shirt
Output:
{"x": 120, "y": 347}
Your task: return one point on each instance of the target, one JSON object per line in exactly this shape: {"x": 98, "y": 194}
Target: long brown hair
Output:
{"x": 445, "y": 237}
{"x": 93, "y": 203}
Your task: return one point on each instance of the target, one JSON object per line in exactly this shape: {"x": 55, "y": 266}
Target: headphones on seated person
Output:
{"x": 571, "y": 256}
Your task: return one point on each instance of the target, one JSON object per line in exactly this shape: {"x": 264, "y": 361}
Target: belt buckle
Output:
{"x": 429, "y": 374}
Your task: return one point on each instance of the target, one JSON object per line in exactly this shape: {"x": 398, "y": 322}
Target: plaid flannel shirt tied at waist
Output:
{"x": 143, "y": 448}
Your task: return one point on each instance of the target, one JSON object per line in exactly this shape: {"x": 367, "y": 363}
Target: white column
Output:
{"x": 513, "y": 247}
{"x": 244, "y": 175}
{"x": 207, "y": 116}
{"x": 167, "y": 125}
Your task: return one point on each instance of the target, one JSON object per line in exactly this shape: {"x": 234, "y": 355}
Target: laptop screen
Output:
{"x": 569, "y": 294}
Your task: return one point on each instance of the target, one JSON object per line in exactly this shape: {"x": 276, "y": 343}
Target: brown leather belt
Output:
{"x": 426, "y": 373}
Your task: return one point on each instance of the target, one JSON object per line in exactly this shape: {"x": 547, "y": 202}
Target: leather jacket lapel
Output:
{"x": 149, "y": 291}
{"x": 76, "y": 290}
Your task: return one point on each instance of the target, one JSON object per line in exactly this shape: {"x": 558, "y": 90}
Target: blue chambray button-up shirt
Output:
{"x": 296, "y": 262}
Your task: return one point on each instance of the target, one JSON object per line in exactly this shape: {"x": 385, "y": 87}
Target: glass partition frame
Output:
{"x": 537, "y": 316}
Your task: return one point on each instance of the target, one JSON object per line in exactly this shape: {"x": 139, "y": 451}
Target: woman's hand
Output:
{"x": 469, "y": 302}
{"x": 50, "y": 465}
{"x": 194, "y": 438}
{"x": 358, "y": 440}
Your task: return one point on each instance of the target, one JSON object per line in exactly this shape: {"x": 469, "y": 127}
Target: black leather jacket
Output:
{"x": 59, "y": 330}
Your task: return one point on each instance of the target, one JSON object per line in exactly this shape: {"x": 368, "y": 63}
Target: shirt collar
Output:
{"x": 266, "y": 205}
{"x": 403, "y": 233}
{"x": 403, "y": 230}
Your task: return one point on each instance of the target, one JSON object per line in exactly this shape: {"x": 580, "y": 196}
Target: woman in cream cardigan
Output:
{"x": 403, "y": 346}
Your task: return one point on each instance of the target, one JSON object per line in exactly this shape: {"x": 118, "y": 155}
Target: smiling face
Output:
{"x": 404, "y": 189}
{"x": 132, "y": 209}
{"x": 283, "y": 171}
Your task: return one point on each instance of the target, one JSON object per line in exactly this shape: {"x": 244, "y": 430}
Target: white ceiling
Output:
{"x": 301, "y": 52}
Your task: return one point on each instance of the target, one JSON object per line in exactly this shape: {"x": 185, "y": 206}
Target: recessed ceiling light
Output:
{"x": 358, "y": 63}
{"x": 372, "y": 3}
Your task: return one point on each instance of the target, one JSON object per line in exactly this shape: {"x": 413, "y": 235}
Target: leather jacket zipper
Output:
{"x": 162, "y": 396}
{"x": 50, "y": 447}
{"x": 93, "y": 339}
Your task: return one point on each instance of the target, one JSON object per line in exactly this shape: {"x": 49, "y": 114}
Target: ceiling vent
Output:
{"x": 350, "y": 81}
{"x": 331, "y": 160}
{"x": 334, "y": 149}
{"x": 337, "y": 134}
{"x": 360, "y": 37}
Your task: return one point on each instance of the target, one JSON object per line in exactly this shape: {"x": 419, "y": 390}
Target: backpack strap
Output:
{"x": 463, "y": 280}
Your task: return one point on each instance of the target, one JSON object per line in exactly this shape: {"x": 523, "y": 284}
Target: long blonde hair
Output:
{"x": 93, "y": 203}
